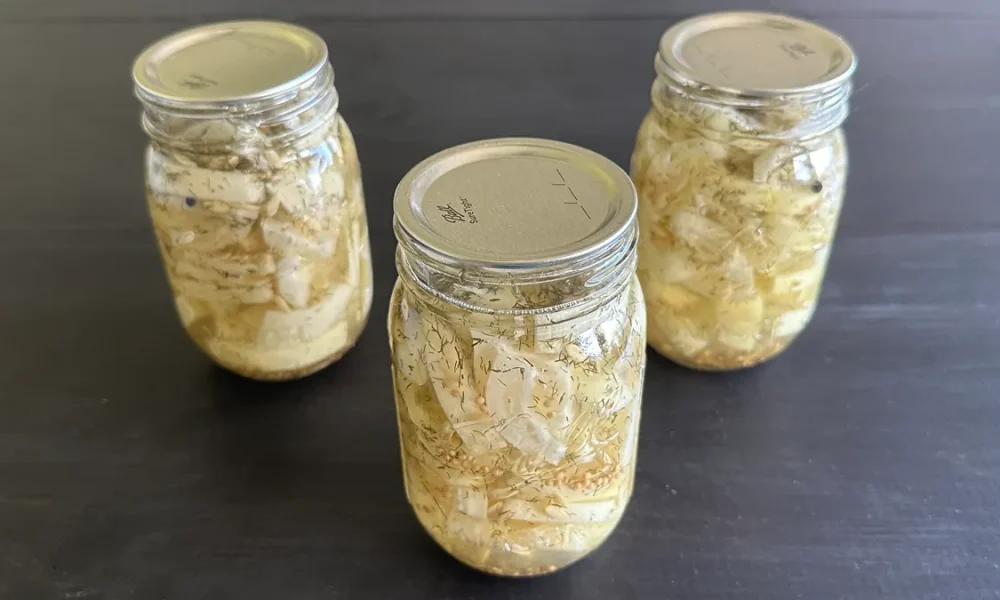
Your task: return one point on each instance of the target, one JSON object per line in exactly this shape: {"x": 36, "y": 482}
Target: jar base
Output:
{"x": 291, "y": 374}
{"x": 514, "y": 565}
{"x": 710, "y": 361}
{"x": 509, "y": 571}
{"x": 284, "y": 374}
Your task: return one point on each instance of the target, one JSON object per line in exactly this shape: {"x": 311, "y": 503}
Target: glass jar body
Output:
{"x": 518, "y": 431}
{"x": 262, "y": 229}
{"x": 737, "y": 213}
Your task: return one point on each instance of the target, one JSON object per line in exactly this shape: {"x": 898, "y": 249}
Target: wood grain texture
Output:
{"x": 863, "y": 463}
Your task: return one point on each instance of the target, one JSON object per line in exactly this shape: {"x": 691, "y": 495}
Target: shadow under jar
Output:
{"x": 254, "y": 190}
{"x": 740, "y": 168}
{"x": 517, "y": 331}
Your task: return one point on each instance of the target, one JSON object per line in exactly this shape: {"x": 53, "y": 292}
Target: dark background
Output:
{"x": 863, "y": 463}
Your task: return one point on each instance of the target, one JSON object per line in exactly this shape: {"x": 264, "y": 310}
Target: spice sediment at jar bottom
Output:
{"x": 255, "y": 195}
{"x": 518, "y": 389}
{"x": 740, "y": 172}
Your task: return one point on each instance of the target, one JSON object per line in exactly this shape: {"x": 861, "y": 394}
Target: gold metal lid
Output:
{"x": 231, "y": 62}
{"x": 758, "y": 54}
{"x": 514, "y": 202}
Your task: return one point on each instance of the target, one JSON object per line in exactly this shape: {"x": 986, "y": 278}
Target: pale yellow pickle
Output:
{"x": 518, "y": 395}
{"x": 256, "y": 202}
{"x": 740, "y": 186}
{"x": 518, "y": 444}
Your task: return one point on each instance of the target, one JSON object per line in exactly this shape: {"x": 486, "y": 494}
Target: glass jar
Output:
{"x": 518, "y": 351}
{"x": 740, "y": 167}
{"x": 254, "y": 189}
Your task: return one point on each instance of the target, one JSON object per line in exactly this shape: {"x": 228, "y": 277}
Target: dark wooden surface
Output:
{"x": 864, "y": 463}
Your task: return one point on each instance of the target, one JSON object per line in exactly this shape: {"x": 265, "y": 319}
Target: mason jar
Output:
{"x": 254, "y": 190}
{"x": 517, "y": 332}
{"x": 740, "y": 167}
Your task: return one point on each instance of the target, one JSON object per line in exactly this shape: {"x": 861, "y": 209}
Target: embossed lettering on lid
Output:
{"x": 515, "y": 201}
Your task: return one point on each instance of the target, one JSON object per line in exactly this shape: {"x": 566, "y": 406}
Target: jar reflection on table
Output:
{"x": 257, "y": 206}
{"x": 740, "y": 190}
{"x": 518, "y": 390}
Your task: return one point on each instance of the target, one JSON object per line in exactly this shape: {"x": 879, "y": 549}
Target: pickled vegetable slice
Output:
{"x": 735, "y": 227}
{"x": 265, "y": 249}
{"x": 518, "y": 432}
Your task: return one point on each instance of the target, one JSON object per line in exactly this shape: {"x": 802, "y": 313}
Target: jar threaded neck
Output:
{"x": 532, "y": 289}
{"x": 271, "y": 122}
{"x": 816, "y": 112}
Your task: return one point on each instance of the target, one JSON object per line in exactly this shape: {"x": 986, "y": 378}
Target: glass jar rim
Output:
{"x": 835, "y": 93}
{"x": 316, "y": 94}
{"x": 605, "y": 274}
{"x": 827, "y": 109}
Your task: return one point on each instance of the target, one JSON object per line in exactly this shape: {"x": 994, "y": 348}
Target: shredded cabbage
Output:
{"x": 735, "y": 228}
{"x": 518, "y": 432}
{"x": 266, "y": 250}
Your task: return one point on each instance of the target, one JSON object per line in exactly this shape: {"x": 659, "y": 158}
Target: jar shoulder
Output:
{"x": 429, "y": 327}
{"x": 321, "y": 169}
